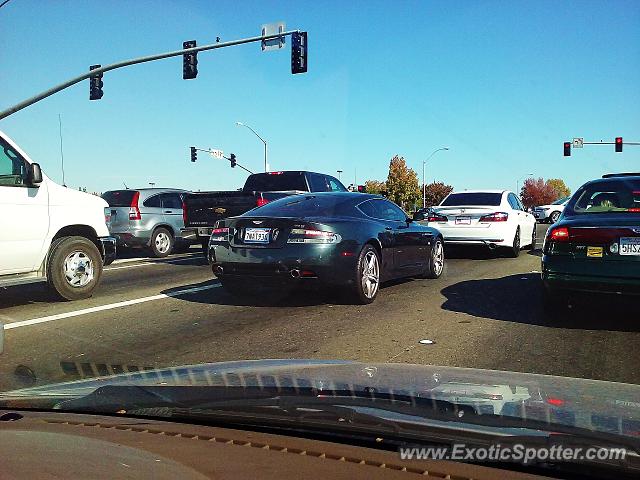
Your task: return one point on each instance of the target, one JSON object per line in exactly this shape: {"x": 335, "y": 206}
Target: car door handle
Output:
{"x": 388, "y": 228}
{"x": 168, "y": 211}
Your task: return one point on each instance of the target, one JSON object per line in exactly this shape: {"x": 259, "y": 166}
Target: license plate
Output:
{"x": 630, "y": 246}
{"x": 204, "y": 231}
{"x": 463, "y": 220}
{"x": 257, "y": 235}
{"x": 594, "y": 251}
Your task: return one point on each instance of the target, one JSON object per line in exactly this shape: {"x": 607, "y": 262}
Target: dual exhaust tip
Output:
{"x": 294, "y": 272}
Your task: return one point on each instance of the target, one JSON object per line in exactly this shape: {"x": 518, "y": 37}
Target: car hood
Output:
{"x": 475, "y": 386}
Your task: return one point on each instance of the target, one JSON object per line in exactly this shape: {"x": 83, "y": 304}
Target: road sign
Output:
{"x": 217, "y": 153}
{"x": 578, "y": 142}
{"x": 272, "y": 29}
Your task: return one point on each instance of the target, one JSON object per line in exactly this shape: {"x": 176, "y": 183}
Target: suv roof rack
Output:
{"x": 613, "y": 175}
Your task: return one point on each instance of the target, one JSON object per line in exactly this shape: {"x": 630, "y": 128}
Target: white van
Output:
{"x": 49, "y": 232}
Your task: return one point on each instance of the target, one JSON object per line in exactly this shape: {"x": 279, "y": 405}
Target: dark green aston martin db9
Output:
{"x": 352, "y": 240}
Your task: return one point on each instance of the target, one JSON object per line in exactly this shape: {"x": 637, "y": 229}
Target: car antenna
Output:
{"x": 125, "y": 186}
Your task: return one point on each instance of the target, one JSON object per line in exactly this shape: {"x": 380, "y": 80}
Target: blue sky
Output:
{"x": 502, "y": 83}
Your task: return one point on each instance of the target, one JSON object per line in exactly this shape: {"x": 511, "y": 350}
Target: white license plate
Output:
{"x": 204, "y": 231}
{"x": 257, "y": 235}
{"x": 630, "y": 246}
{"x": 463, "y": 220}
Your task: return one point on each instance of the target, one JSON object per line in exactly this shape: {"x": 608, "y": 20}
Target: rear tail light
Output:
{"x": 276, "y": 173}
{"x": 556, "y": 402}
{"x": 134, "y": 211}
{"x": 219, "y": 234}
{"x": 434, "y": 217}
{"x": 559, "y": 234}
{"x": 301, "y": 235}
{"x": 107, "y": 215}
{"x": 495, "y": 217}
{"x": 184, "y": 213}
{"x": 260, "y": 201}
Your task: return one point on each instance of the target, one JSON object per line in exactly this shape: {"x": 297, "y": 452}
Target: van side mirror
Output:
{"x": 34, "y": 174}
{"x": 418, "y": 216}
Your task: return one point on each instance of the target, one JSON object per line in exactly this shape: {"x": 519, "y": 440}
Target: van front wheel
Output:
{"x": 74, "y": 267}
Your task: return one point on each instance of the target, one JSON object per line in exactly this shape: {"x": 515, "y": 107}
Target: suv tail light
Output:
{"x": 495, "y": 217}
{"x": 134, "y": 211}
{"x": 434, "y": 217}
{"x": 302, "y": 235}
{"x": 107, "y": 216}
{"x": 260, "y": 201}
{"x": 184, "y": 213}
{"x": 559, "y": 234}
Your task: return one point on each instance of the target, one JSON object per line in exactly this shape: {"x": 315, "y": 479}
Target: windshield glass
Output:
{"x": 301, "y": 206}
{"x": 620, "y": 196}
{"x": 475, "y": 198}
{"x": 418, "y": 199}
{"x": 272, "y": 182}
{"x": 119, "y": 198}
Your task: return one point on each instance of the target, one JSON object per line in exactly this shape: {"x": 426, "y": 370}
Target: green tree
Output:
{"x": 435, "y": 193}
{"x": 402, "y": 184}
{"x": 375, "y": 186}
{"x": 558, "y": 186}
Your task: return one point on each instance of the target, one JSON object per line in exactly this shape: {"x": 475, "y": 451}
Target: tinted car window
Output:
{"x": 383, "y": 210}
{"x": 12, "y": 168}
{"x": 276, "y": 181}
{"x": 302, "y": 206}
{"x": 317, "y": 182}
{"x": 153, "y": 202}
{"x": 171, "y": 200}
{"x": 513, "y": 201}
{"x": 604, "y": 197}
{"x": 474, "y": 198}
{"x": 335, "y": 185}
{"x": 119, "y": 198}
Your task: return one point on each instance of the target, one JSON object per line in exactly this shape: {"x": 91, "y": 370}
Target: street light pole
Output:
{"x": 424, "y": 185}
{"x": 518, "y": 182}
{"x": 339, "y": 174}
{"x": 266, "y": 163}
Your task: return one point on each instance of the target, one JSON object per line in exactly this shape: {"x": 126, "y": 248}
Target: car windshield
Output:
{"x": 619, "y": 196}
{"x": 119, "y": 198}
{"x": 332, "y": 218}
{"x": 302, "y": 206}
{"x": 276, "y": 181}
{"x": 472, "y": 198}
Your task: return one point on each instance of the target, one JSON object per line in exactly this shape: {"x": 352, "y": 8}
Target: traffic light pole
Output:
{"x": 226, "y": 158}
{"x": 135, "y": 61}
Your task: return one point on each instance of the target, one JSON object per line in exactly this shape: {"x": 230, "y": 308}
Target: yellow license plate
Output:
{"x": 594, "y": 251}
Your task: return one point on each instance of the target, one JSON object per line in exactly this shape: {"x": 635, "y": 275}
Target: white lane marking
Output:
{"x": 145, "y": 264}
{"x": 110, "y": 306}
{"x": 142, "y": 259}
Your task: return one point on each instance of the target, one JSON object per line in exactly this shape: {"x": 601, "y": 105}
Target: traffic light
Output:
{"x": 567, "y": 149}
{"x": 95, "y": 84}
{"x": 619, "y": 144}
{"x": 189, "y": 61}
{"x": 299, "y": 52}
{"x": 232, "y": 159}
{"x": 194, "y": 154}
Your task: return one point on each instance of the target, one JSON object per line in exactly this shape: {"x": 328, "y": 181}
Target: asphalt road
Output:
{"x": 485, "y": 312}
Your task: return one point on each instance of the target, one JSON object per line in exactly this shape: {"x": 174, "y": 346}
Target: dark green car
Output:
{"x": 353, "y": 241}
{"x": 595, "y": 247}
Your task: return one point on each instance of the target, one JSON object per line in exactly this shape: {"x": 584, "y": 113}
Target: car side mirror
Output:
{"x": 418, "y": 216}
{"x": 34, "y": 174}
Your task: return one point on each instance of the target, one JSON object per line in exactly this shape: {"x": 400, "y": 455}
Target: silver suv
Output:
{"x": 147, "y": 217}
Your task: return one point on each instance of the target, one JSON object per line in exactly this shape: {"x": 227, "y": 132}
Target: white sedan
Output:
{"x": 494, "y": 218}
{"x": 551, "y": 212}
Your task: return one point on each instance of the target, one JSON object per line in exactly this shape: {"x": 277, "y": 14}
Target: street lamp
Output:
{"x": 424, "y": 186}
{"x": 339, "y": 174}
{"x": 520, "y": 179}
{"x": 266, "y": 165}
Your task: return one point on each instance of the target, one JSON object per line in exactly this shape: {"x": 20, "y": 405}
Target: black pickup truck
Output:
{"x": 202, "y": 210}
